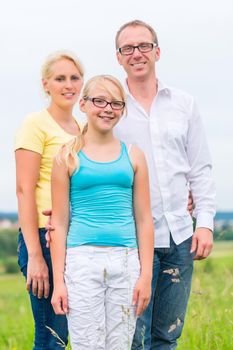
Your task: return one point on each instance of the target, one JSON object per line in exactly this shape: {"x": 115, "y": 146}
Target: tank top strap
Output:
{"x": 126, "y": 149}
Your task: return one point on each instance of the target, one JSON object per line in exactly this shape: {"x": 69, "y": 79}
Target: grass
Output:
{"x": 209, "y": 321}
{"x": 16, "y": 331}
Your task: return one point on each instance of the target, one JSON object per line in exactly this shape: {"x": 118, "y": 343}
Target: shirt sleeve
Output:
{"x": 200, "y": 174}
{"x": 30, "y": 136}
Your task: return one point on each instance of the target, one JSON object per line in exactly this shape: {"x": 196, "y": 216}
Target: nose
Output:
{"x": 68, "y": 84}
{"x": 108, "y": 109}
{"x": 136, "y": 52}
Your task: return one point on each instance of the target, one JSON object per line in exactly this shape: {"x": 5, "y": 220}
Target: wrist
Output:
{"x": 35, "y": 253}
{"x": 58, "y": 278}
{"x": 146, "y": 275}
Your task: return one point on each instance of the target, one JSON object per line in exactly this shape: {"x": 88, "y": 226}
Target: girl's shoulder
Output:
{"x": 135, "y": 155}
{"x": 134, "y": 150}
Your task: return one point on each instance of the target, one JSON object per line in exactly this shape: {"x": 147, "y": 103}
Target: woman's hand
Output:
{"x": 37, "y": 276}
{"x": 142, "y": 294}
{"x": 190, "y": 206}
{"x": 59, "y": 299}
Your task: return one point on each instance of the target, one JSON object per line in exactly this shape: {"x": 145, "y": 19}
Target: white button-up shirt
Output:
{"x": 174, "y": 143}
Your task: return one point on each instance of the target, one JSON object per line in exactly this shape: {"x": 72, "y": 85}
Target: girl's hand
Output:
{"x": 48, "y": 226}
{"x": 142, "y": 294}
{"x": 59, "y": 299}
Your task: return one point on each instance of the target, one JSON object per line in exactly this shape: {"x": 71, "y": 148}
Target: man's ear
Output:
{"x": 119, "y": 58}
{"x": 157, "y": 54}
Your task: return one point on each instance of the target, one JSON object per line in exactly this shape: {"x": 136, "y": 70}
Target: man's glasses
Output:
{"x": 101, "y": 103}
{"x": 143, "y": 47}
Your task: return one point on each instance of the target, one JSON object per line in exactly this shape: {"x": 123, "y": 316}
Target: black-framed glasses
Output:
{"x": 143, "y": 47}
{"x": 101, "y": 103}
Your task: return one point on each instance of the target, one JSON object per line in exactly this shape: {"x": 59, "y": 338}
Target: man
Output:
{"x": 164, "y": 122}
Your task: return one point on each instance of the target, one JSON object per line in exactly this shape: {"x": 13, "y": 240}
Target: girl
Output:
{"x": 105, "y": 287}
{"x": 37, "y": 142}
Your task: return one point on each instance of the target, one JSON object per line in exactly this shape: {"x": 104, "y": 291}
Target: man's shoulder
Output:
{"x": 177, "y": 92}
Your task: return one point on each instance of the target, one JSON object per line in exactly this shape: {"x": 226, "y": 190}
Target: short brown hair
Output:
{"x": 136, "y": 23}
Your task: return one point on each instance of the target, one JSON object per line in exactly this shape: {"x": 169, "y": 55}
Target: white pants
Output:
{"x": 100, "y": 283}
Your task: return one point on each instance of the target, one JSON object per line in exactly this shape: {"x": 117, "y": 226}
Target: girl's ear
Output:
{"x": 82, "y": 105}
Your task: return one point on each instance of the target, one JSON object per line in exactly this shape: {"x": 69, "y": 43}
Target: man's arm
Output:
{"x": 201, "y": 185}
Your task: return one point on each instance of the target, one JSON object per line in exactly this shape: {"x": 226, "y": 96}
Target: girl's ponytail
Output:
{"x": 68, "y": 152}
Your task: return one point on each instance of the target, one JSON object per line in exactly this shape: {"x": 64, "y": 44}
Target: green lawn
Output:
{"x": 209, "y": 322}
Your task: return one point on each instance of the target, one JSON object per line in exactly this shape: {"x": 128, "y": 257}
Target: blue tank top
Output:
{"x": 101, "y": 199}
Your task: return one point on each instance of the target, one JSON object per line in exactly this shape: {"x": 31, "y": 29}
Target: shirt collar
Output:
{"x": 162, "y": 88}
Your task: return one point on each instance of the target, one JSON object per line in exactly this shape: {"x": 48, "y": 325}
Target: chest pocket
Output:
{"x": 175, "y": 134}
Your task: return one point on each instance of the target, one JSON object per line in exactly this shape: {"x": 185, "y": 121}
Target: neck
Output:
{"x": 60, "y": 114}
{"x": 143, "y": 90}
{"x": 93, "y": 136}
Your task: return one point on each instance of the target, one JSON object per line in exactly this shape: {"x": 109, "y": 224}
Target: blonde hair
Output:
{"x": 137, "y": 23}
{"x": 100, "y": 80}
{"x": 56, "y": 56}
{"x": 68, "y": 152}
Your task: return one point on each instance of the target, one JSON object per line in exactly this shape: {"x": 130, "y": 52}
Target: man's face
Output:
{"x": 138, "y": 64}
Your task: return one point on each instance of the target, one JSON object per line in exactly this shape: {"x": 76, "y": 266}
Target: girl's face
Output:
{"x": 102, "y": 115}
{"x": 64, "y": 85}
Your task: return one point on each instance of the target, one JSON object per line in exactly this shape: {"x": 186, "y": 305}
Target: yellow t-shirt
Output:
{"x": 40, "y": 133}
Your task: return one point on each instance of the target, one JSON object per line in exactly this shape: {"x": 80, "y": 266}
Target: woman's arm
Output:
{"x": 27, "y": 174}
{"x": 144, "y": 227}
{"x": 60, "y": 221}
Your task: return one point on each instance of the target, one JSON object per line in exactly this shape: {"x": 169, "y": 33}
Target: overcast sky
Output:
{"x": 196, "y": 41}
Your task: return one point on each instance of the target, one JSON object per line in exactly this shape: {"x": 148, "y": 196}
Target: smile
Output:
{"x": 68, "y": 94}
{"x": 139, "y": 64}
{"x": 104, "y": 117}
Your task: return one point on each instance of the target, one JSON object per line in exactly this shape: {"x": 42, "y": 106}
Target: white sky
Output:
{"x": 196, "y": 40}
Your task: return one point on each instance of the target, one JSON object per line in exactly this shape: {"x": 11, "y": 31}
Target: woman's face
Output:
{"x": 64, "y": 85}
{"x": 102, "y": 116}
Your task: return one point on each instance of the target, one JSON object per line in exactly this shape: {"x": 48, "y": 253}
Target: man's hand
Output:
{"x": 48, "y": 226}
{"x": 38, "y": 276}
{"x": 202, "y": 243}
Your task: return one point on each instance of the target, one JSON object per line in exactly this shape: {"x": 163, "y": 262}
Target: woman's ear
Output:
{"x": 45, "y": 86}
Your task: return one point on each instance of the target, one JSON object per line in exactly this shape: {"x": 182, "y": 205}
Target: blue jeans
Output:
{"x": 161, "y": 324}
{"x": 42, "y": 309}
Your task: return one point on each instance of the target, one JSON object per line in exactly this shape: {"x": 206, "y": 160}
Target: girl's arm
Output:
{"x": 60, "y": 221}
{"x": 145, "y": 229}
{"x": 27, "y": 174}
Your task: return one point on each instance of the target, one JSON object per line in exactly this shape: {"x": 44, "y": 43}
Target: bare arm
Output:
{"x": 27, "y": 173}
{"x": 60, "y": 221}
{"x": 145, "y": 230}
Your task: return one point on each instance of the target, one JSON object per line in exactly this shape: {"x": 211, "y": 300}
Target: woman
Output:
{"x": 37, "y": 141}
{"x": 106, "y": 183}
